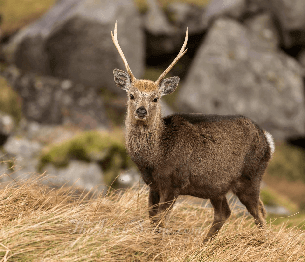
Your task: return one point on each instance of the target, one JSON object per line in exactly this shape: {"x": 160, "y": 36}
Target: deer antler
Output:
{"x": 116, "y": 43}
{"x": 181, "y": 53}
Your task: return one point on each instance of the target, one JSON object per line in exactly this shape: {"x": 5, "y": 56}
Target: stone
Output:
{"x": 237, "y": 71}
{"x": 7, "y": 126}
{"x": 87, "y": 176}
{"x": 49, "y": 100}
{"x": 219, "y": 8}
{"x": 73, "y": 41}
{"x": 184, "y": 15}
{"x": 289, "y": 15}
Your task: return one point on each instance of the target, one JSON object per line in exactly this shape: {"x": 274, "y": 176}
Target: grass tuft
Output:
{"x": 57, "y": 225}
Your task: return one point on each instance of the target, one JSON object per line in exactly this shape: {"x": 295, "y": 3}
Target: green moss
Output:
{"x": 272, "y": 198}
{"x": 288, "y": 162}
{"x": 105, "y": 148}
{"x": 10, "y": 103}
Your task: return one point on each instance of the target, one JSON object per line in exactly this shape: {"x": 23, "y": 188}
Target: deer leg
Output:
{"x": 153, "y": 202}
{"x": 254, "y": 205}
{"x": 221, "y": 214}
{"x": 165, "y": 205}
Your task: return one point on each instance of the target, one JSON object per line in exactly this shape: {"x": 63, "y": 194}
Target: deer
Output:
{"x": 200, "y": 155}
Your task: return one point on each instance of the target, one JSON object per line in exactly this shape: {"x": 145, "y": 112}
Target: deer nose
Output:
{"x": 141, "y": 112}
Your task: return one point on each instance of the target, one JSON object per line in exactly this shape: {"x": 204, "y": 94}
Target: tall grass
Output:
{"x": 39, "y": 223}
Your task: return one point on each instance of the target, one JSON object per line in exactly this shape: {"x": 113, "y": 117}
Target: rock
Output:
{"x": 48, "y": 100}
{"x": 7, "y": 126}
{"x": 45, "y": 134}
{"x": 237, "y": 71}
{"x": 289, "y": 14}
{"x": 301, "y": 59}
{"x": 161, "y": 35}
{"x": 156, "y": 21}
{"x": 129, "y": 178}
{"x": 165, "y": 109}
{"x": 263, "y": 25}
{"x": 21, "y": 158}
{"x": 231, "y": 8}
{"x": 87, "y": 176}
{"x": 184, "y": 15}
{"x": 73, "y": 41}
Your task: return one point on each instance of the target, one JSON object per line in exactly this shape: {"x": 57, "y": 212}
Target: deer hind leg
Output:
{"x": 221, "y": 214}
{"x": 254, "y": 205}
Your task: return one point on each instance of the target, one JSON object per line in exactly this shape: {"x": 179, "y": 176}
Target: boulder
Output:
{"x": 231, "y": 8}
{"x": 7, "y": 126}
{"x": 263, "y": 25}
{"x": 289, "y": 15}
{"x": 237, "y": 71}
{"x": 20, "y": 158}
{"x": 185, "y": 15}
{"x": 73, "y": 41}
{"x": 84, "y": 175}
{"x": 49, "y": 100}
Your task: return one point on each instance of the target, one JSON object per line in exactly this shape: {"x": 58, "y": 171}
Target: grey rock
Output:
{"x": 84, "y": 175}
{"x": 184, "y": 15}
{"x": 231, "y": 8}
{"x": 237, "y": 71}
{"x": 7, "y": 126}
{"x": 289, "y": 15}
{"x": 165, "y": 109}
{"x": 129, "y": 178}
{"x": 263, "y": 25}
{"x": 73, "y": 41}
{"x": 21, "y": 158}
{"x": 49, "y": 100}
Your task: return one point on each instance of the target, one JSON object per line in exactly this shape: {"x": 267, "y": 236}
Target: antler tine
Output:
{"x": 116, "y": 43}
{"x": 181, "y": 53}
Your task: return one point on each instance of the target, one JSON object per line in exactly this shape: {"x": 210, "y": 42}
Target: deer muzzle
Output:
{"x": 141, "y": 113}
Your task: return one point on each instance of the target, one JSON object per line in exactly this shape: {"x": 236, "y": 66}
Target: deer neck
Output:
{"x": 143, "y": 141}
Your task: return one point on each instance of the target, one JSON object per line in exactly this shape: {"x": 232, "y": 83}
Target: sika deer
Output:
{"x": 192, "y": 154}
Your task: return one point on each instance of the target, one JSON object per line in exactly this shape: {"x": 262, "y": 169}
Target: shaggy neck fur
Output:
{"x": 143, "y": 139}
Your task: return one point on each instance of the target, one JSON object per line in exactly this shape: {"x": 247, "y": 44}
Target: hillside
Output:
{"x": 64, "y": 225}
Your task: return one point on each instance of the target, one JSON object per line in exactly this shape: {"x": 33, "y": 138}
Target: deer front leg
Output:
{"x": 167, "y": 200}
{"x": 153, "y": 204}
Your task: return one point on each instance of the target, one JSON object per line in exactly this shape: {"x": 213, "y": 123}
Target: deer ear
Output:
{"x": 169, "y": 85}
{"x": 121, "y": 79}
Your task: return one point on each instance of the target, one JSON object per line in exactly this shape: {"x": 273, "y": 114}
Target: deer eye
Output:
{"x": 131, "y": 96}
{"x": 155, "y": 100}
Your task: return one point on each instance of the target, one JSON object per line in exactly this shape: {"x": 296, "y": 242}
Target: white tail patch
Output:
{"x": 270, "y": 141}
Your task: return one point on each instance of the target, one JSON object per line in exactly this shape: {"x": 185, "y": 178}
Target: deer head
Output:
{"x": 143, "y": 105}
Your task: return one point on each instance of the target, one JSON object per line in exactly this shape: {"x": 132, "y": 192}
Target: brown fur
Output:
{"x": 204, "y": 156}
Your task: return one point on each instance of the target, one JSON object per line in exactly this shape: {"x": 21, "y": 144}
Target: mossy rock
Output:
{"x": 107, "y": 149}
{"x": 288, "y": 162}
{"x": 272, "y": 198}
{"x": 10, "y": 102}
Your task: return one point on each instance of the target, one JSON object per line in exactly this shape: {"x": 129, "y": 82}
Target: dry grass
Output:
{"x": 58, "y": 225}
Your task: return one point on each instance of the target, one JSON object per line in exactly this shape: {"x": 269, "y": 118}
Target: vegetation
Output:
{"x": 272, "y": 198}
{"x": 17, "y": 14}
{"x": 39, "y": 224}
{"x": 288, "y": 162}
{"x": 105, "y": 148}
{"x": 9, "y": 101}
{"x": 286, "y": 173}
